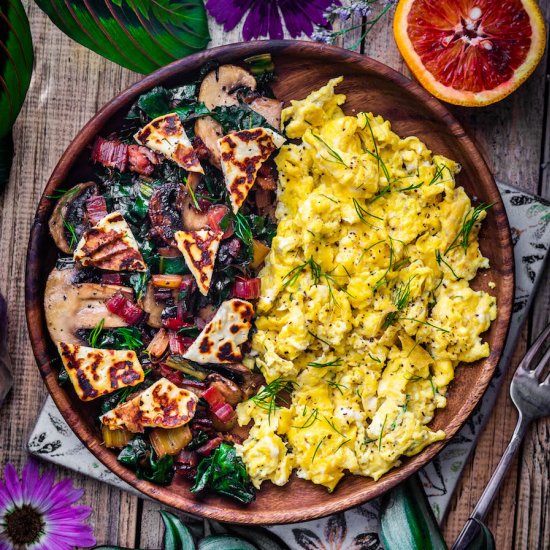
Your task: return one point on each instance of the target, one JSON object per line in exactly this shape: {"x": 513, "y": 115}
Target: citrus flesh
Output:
{"x": 470, "y": 52}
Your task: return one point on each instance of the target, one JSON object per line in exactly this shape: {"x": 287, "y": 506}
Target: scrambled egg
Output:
{"x": 366, "y": 308}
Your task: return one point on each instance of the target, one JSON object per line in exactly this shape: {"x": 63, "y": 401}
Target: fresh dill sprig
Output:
{"x": 370, "y": 440}
{"x": 70, "y": 228}
{"x": 470, "y": 220}
{"x": 337, "y": 386}
{"x": 332, "y": 152}
{"x": 440, "y": 260}
{"x": 317, "y": 448}
{"x": 130, "y": 336}
{"x": 329, "y": 198}
{"x": 381, "y": 434}
{"x": 331, "y": 424}
{"x": 374, "y": 358}
{"x": 383, "y": 191}
{"x": 382, "y": 281}
{"x": 64, "y": 193}
{"x": 266, "y": 398}
{"x": 413, "y": 377}
{"x": 401, "y": 298}
{"x": 333, "y": 363}
{"x": 362, "y": 212}
{"x": 376, "y": 154}
{"x": 438, "y": 174}
{"x": 292, "y": 276}
{"x": 318, "y": 338}
{"x": 369, "y": 247}
{"x": 434, "y": 390}
{"x": 341, "y": 445}
{"x": 310, "y": 420}
{"x": 192, "y": 194}
{"x": 411, "y": 187}
{"x": 94, "y": 335}
{"x": 425, "y": 323}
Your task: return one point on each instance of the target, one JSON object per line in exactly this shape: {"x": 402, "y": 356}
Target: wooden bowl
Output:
{"x": 371, "y": 86}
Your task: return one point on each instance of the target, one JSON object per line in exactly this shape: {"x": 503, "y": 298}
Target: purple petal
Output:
{"x": 71, "y": 514}
{"x": 29, "y": 480}
{"x": 76, "y": 534}
{"x": 63, "y": 494}
{"x": 5, "y": 498}
{"x": 5, "y": 545}
{"x": 228, "y": 12}
{"x": 263, "y": 19}
{"x": 300, "y": 16}
{"x": 13, "y": 485}
{"x": 42, "y": 491}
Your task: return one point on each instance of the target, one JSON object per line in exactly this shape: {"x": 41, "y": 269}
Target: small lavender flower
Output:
{"x": 322, "y": 35}
{"x": 361, "y": 8}
{"x": 334, "y": 12}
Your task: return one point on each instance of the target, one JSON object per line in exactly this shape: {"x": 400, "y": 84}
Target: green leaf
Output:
{"x": 176, "y": 535}
{"x": 225, "y": 542}
{"x": 16, "y": 62}
{"x": 224, "y": 472}
{"x": 407, "y": 521}
{"x": 141, "y": 35}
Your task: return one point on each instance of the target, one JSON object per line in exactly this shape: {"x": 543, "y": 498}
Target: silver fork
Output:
{"x": 532, "y": 400}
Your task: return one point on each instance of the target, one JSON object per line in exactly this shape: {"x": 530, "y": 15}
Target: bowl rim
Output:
{"x": 39, "y": 236}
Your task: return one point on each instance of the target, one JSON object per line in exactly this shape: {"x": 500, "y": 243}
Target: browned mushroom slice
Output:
{"x": 71, "y": 306}
{"x": 164, "y": 212}
{"x": 69, "y": 214}
{"x": 152, "y": 307}
{"x": 219, "y": 88}
{"x": 270, "y": 109}
{"x": 192, "y": 219}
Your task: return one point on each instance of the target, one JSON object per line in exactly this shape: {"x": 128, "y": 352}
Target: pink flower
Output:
{"x": 38, "y": 514}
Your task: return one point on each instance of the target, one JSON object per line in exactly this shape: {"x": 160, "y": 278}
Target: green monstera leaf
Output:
{"x": 16, "y": 59}
{"x": 141, "y": 35}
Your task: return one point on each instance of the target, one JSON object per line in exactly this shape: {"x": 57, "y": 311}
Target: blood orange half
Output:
{"x": 470, "y": 52}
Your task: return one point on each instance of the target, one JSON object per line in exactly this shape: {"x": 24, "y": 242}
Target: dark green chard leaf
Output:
{"x": 16, "y": 62}
{"x": 262, "y": 228}
{"x": 407, "y": 521}
{"x": 176, "y": 535}
{"x": 239, "y": 117}
{"x": 139, "y": 283}
{"x": 139, "y": 456}
{"x": 63, "y": 376}
{"x": 224, "y": 472}
{"x": 155, "y": 102}
{"x": 141, "y": 36}
{"x": 173, "y": 266}
{"x": 199, "y": 439}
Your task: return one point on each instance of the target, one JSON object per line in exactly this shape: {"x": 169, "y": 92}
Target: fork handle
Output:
{"x": 472, "y": 527}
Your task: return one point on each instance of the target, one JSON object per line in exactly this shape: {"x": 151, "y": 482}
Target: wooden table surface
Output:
{"x": 71, "y": 83}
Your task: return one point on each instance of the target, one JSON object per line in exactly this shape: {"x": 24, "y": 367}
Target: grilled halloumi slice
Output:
{"x": 242, "y": 154}
{"x": 199, "y": 248}
{"x": 110, "y": 245}
{"x": 162, "y": 405}
{"x": 96, "y": 372}
{"x": 220, "y": 339}
{"x": 166, "y": 135}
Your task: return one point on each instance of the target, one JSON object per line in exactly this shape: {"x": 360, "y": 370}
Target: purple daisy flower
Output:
{"x": 264, "y": 16}
{"x": 38, "y": 514}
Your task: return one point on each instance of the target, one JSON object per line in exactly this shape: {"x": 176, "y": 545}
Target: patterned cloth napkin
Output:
{"x": 529, "y": 218}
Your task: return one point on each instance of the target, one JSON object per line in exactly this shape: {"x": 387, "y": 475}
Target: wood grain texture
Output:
{"x": 69, "y": 85}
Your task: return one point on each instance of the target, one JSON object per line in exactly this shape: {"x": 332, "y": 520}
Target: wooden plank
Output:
{"x": 69, "y": 84}
{"x": 533, "y": 492}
